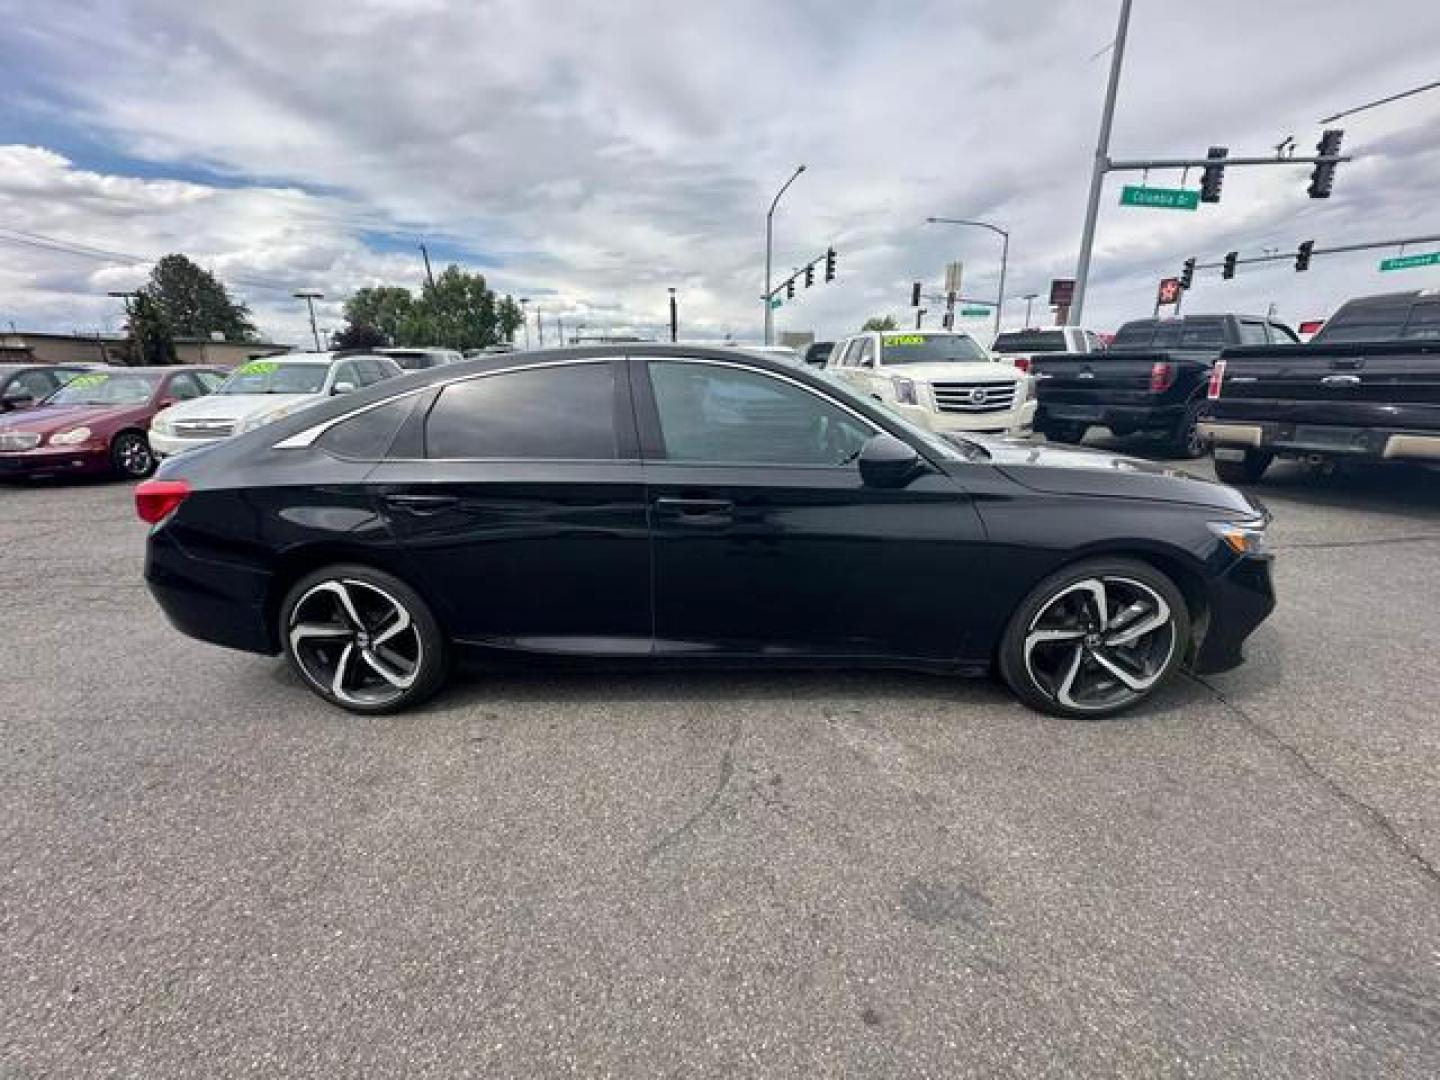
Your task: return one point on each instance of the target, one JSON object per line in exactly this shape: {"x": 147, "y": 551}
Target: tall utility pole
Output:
{"x": 1102, "y": 161}
{"x": 310, "y": 296}
{"x": 1029, "y": 299}
{"x": 769, "y": 237}
{"x": 429, "y": 275}
{"x": 1004, "y": 255}
{"x": 675, "y": 318}
{"x": 525, "y": 318}
{"x": 540, "y": 326}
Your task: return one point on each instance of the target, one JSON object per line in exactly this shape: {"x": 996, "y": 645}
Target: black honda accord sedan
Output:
{"x": 670, "y": 504}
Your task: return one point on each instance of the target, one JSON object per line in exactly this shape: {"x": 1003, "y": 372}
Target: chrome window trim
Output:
{"x": 302, "y": 439}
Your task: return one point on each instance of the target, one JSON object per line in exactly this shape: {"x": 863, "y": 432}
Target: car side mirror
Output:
{"x": 888, "y": 462}
{"x": 343, "y": 388}
{"x": 166, "y": 402}
{"x": 19, "y": 400}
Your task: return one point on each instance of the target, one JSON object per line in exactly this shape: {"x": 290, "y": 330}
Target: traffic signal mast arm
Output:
{"x": 1285, "y": 256}
{"x": 1200, "y": 163}
{"x": 807, "y": 272}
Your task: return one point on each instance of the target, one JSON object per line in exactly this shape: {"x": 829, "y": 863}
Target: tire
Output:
{"x": 1248, "y": 471}
{"x": 1101, "y": 674}
{"x": 347, "y": 613}
{"x": 1185, "y": 440}
{"x": 1065, "y": 431}
{"x": 131, "y": 456}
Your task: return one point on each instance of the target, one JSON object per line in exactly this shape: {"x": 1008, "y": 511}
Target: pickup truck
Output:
{"x": 1021, "y": 346}
{"x": 1151, "y": 379}
{"x": 1366, "y": 387}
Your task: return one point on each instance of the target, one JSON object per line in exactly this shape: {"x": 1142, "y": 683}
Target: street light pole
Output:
{"x": 525, "y": 319}
{"x": 1004, "y": 255}
{"x": 310, "y": 296}
{"x": 674, "y": 317}
{"x": 1029, "y": 299}
{"x": 1097, "y": 174}
{"x": 769, "y": 237}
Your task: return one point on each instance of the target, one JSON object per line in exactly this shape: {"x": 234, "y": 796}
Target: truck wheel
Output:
{"x": 1247, "y": 471}
{"x": 1071, "y": 431}
{"x": 1185, "y": 441}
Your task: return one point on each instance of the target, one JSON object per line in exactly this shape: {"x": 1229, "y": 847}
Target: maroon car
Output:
{"x": 97, "y": 422}
{"x": 22, "y": 385}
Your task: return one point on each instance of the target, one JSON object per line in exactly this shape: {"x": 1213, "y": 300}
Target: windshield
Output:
{"x": 275, "y": 377}
{"x": 948, "y": 448}
{"x": 1029, "y": 341}
{"x": 97, "y": 388}
{"x": 931, "y": 349}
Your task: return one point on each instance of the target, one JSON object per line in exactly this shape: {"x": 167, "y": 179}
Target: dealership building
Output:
{"x": 26, "y": 347}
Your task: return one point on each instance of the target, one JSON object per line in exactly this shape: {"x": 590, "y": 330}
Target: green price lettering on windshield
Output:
{"x": 258, "y": 367}
{"x": 80, "y": 382}
{"x": 906, "y": 339}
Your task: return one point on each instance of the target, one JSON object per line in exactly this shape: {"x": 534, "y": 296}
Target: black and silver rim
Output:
{"x": 356, "y": 642}
{"x": 1100, "y": 644}
{"x": 133, "y": 454}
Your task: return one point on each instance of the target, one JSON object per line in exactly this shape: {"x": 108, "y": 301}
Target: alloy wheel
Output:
{"x": 356, "y": 642}
{"x": 133, "y": 456}
{"x": 1100, "y": 643}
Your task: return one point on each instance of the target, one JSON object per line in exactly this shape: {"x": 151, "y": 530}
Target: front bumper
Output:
{"x": 1016, "y": 421}
{"x": 55, "y": 460}
{"x": 1332, "y": 440}
{"x": 1237, "y": 602}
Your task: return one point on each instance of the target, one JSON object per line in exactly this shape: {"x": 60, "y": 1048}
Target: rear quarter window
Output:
{"x": 368, "y": 435}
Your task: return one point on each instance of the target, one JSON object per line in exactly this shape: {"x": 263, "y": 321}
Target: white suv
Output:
{"x": 261, "y": 391}
{"x": 945, "y": 381}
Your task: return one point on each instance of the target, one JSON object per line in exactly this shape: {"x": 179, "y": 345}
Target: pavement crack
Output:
{"x": 1312, "y": 545}
{"x": 1370, "y": 814}
{"x": 687, "y": 828}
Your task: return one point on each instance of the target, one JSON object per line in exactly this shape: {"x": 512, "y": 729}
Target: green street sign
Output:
{"x": 974, "y": 312}
{"x": 775, "y": 302}
{"x": 1409, "y": 262}
{"x": 1159, "y": 198}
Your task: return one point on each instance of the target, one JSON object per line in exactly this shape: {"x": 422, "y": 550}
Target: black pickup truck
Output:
{"x": 1151, "y": 379}
{"x": 1366, "y": 387}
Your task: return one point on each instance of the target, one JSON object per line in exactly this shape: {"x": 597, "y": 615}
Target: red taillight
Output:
{"x": 1217, "y": 376}
{"x": 155, "y": 500}
{"x": 1162, "y": 376}
{"x": 1023, "y": 363}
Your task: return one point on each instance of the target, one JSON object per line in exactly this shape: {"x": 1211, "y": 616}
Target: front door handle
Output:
{"x": 421, "y": 504}
{"x": 694, "y": 508}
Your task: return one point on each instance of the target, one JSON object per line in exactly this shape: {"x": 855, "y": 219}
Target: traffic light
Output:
{"x": 1187, "y": 273}
{"x": 1214, "y": 175}
{"x": 1322, "y": 180}
{"x": 1228, "y": 270}
{"x": 1302, "y": 255}
{"x": 829, "y": 264}
{"x": 915, "y": 295}
{"x": 809, "y": 275}
{"x": 790, "y": 289}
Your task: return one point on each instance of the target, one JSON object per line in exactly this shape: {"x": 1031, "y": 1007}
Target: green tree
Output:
{"x": 194, "y": 303}
{"x": 148, "y": 339}
{"x": 877, "y": 323}
{"x": 382, "y": 310}
{"x": 359, "y": 336}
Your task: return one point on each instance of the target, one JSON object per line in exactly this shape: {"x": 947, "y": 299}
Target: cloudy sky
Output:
{"x": 589, "y": 155}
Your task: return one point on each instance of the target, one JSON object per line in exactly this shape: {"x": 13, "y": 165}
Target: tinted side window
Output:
{"x": 344, "y": 372}
{"x": 1424, "y": 322}
{"x": 184, "y": 387}
{"x": 1253, "y": 333}
{"x": 369, "y": 369}
{"x": 555, "y": 413}
{"x": 729, "y": 415}
{"x": 1282, "y": 335}
{"x": 209, "y": 380}
{"x": 368, "y": 436}
{"x": 34, "y": 384}
{"x": 865, "y": 352}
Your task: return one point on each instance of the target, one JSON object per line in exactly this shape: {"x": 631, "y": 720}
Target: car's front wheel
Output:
{"x": 1095, "y": 638}
{"x": 363, "y": 639}
{"x": 131, "y": 456}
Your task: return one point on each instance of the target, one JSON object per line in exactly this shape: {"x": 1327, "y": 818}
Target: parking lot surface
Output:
{"x": 205, "y": 871}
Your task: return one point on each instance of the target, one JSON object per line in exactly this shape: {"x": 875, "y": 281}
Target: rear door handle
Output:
{"x": 690, "y": 508}
{"x": 421, "y": 504}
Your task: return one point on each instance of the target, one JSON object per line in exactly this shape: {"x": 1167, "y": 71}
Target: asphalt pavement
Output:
{"x": 205, "y": 871}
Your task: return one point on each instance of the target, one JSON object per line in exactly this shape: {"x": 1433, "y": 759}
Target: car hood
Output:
{"x": 979, "y": 371}
{"x": 1074, "y": 470}
{"x": 48, "y": 419}
{"x": 237, "y": 407}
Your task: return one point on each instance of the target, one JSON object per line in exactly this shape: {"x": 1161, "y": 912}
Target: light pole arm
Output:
{"x": 769, "y": 235}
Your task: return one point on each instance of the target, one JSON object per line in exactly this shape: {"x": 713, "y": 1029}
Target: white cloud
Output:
{"x": 600, "y": 153}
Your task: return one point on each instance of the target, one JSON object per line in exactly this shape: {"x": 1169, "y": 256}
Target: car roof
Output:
{"x": 313, "y": 357}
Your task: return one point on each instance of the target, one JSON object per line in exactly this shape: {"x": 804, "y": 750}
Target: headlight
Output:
{"x": 1242, "y": 537}
{"x": 904, "y": 391}
{"x": 73, "y": 437}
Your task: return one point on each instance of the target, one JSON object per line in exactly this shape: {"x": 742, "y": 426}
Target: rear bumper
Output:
{"x": 221, "y": 602}
{"x": 1238, "y": 601}
{"x": 54, "y": 461}
{"x": 1329, "y": 440}
{"x": 1101, "y": 414}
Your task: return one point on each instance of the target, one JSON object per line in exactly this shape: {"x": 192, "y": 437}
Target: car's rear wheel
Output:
{"x": 1245, "y": 471}
{"x": 363, "y": 639}
{"x": 131, "y": 456}
{"x": 1068, "y": 431}
{"x": 1185, "y": 440}
{"x": 1095, "y": 638}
